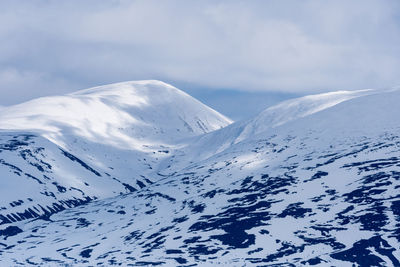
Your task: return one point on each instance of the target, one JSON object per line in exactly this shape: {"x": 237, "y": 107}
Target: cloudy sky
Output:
{"x": 230, "y": 54}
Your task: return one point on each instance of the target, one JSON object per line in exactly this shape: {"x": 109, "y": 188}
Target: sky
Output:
{"x": 236, "y": 56}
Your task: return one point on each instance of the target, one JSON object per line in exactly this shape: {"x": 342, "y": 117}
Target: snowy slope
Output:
{"x": 320, "y": 189}
{"x": 207, "y": 145}
{"x": 62, "y": 151}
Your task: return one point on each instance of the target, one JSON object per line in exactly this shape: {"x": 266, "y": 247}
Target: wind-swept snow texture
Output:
{"x": 311, "y": 181}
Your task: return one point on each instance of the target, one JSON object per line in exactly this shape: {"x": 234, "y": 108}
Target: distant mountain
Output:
{"x": 311, "y": 181}
{"x": 278, "y": 115}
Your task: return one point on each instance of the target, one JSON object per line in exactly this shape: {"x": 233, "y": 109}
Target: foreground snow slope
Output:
{"x": 320, "y": 189}
{"x": 62, "y": 151}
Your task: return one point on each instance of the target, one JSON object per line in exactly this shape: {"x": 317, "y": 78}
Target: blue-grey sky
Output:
{"x": 255, "y": 51}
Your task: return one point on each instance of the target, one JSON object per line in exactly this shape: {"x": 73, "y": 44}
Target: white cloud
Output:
{"x": 293, "y": 46}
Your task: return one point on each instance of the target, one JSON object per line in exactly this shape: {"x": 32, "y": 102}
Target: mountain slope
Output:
{"x": 63, "y": 151}
{"x": 209, "y": 144}
{"x": 321, "y": 189}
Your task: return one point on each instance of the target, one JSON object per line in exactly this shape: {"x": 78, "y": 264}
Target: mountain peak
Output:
{"x": 129, "y": 114}
{"x": 147, "y": 86}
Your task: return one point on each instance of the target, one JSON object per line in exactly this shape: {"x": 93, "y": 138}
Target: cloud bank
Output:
{"x": 53, "y": 47}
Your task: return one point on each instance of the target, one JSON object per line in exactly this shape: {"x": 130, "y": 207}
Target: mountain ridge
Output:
{"x": 286, "y": 112}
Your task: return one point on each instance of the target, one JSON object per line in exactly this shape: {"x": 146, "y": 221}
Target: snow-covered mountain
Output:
{"x": 311, "y": 181}
{"x": 62, "y": 151}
